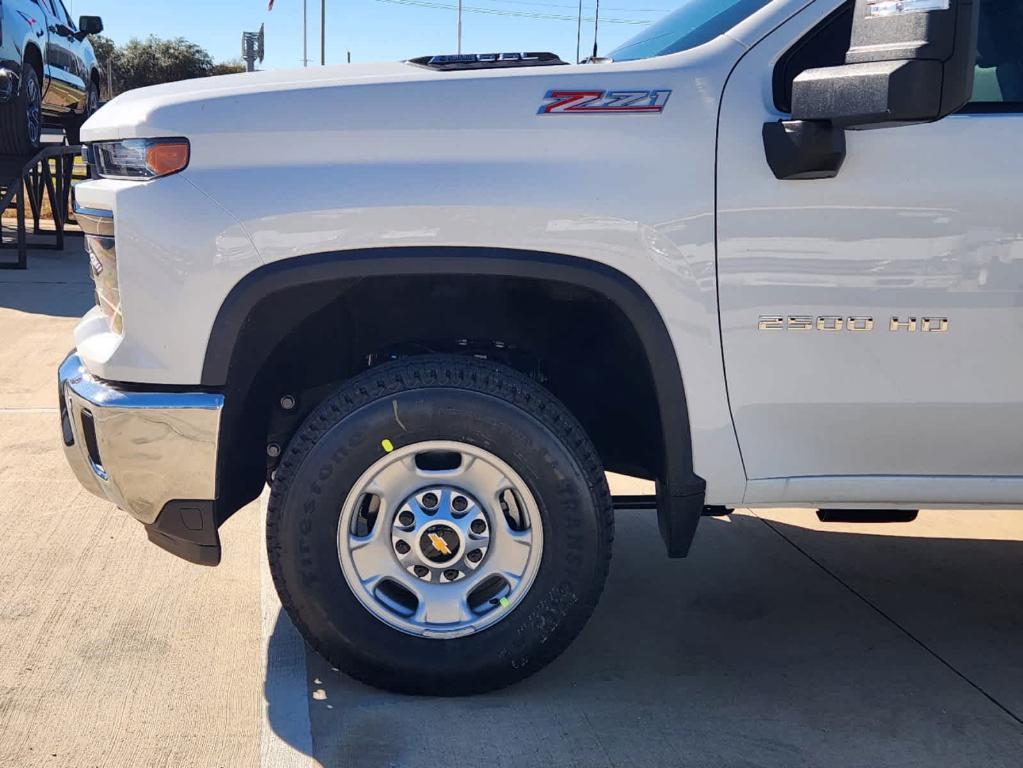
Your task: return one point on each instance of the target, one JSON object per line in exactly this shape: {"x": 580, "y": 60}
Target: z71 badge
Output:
{"x": 592, "y": 102}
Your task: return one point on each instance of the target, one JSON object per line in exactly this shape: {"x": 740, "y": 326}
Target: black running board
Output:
{"x": 649, "y": 502}
{"x": 867, "y": 515}
{"x": 643, "y": 501}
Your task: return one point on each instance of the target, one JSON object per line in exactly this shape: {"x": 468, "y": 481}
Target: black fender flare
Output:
{"x": 680, "y": 492}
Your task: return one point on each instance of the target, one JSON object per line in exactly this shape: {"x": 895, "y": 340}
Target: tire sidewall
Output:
{"x": 30, "y": 75}
{"x": 317, "y": 476}
{"x": 91, "y": 101}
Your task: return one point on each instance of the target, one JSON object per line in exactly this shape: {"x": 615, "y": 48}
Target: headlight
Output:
{"x": 140, "y": 158}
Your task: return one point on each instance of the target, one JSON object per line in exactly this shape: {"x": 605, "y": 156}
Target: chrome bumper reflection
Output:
{"x": 138, "y": 449}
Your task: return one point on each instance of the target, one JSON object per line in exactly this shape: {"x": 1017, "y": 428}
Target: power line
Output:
{"x": 502, "y": 12}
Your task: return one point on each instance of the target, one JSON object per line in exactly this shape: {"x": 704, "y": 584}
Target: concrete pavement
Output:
{"x": 779, "y": 642}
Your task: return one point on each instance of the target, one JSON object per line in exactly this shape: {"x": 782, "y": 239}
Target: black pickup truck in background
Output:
{"x": 48, "y": 73}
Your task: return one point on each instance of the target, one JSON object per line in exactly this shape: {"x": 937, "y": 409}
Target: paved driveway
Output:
{"x": 779, "y": 642}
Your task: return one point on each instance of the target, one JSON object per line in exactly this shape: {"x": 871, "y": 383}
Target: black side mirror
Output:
{"x": 909, "y": 61}
{"x": 89, "y": 25}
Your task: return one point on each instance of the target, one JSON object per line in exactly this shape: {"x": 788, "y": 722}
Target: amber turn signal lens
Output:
{"x": 167, "y": 157}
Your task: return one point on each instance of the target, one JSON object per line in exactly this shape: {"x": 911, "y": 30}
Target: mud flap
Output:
{"x": 678, "y": 515}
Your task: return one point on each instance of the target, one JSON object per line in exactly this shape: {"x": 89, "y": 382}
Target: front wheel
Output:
{"x": 21, "y": 120}
{"x": 440, "y": 525}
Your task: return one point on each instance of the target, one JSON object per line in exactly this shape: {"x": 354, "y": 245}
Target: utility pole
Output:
{"x": 323, "y": 32}
{"x": 459, "y": 27}
{"x": 305, "y": 33}
{"x": 579, "y": 33}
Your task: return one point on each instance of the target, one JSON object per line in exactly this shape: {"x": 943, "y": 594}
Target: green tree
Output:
{"x": 153, "y": 61}
{"x": 228, "y": 67}
{"x": 106, "y": 55}
{"x": 104, "y": 49}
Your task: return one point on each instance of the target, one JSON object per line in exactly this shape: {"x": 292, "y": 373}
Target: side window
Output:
{"x": 46, "y": 7}
{"x": 62, "y": 12}
{"x": 824, "y": 46}
{"x": 999, "y": 82}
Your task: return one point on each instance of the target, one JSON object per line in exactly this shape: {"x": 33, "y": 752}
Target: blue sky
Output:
{"x": 373, "y": 30}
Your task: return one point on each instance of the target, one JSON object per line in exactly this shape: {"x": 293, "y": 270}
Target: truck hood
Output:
{"x": 138, "y": 113}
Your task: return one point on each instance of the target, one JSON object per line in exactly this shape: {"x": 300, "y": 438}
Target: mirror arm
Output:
{"x": 804, "y": 149}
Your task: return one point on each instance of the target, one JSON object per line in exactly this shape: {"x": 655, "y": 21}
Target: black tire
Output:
{"x": 440, "y": 398}
{"x": 16, "y": 137}
{"x": 73, "y": 124}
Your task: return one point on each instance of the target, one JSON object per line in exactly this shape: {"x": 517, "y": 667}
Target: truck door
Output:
{"x": 63, "y": 60}
{"x": 872, "y": 323}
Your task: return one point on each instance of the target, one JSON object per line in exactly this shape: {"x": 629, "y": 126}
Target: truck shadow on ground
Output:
{"x": 747, "y": 653}
{"x": 73, "y": 301}
{"x": 56, "y": 283}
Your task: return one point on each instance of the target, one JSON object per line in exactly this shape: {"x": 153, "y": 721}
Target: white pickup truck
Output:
{"x": 431, "y": 302}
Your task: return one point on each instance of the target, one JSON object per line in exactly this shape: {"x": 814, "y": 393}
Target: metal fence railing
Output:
{"x": 28, "y": 187}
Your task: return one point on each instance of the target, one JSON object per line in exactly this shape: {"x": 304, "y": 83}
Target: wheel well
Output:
{"x": 574, "y": 342}
{"x": 34, "y": 57}
{"x": 302, "y": 337}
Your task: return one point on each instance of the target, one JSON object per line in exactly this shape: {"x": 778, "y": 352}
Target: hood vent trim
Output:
{"x": 469, "y": 61}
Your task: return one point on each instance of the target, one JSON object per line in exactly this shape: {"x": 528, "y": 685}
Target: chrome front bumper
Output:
{"x": 141, "y": 450}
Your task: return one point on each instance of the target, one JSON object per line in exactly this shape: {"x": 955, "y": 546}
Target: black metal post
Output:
{"x": 22, "y": 244}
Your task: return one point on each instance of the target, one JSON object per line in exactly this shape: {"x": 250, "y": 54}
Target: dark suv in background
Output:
{"x": 48, "y": 73}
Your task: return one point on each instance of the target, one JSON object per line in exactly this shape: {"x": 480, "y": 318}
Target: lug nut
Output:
{"x": 406, "y": 518}
{"x": 460, "y": 504}
{"x": 273, "y": 450}
{"x": 421, "y": 570}
{"x": 430, "y": 500}
{"x": 475, "y": 556}
{"x": 478, "y": 526}
{"x": 401, "y": 547}
{"x": 287, "y": 402}
{"x": 450, "y": 574}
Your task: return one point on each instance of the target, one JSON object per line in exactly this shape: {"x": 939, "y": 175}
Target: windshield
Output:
{"x": 695, "y": 23}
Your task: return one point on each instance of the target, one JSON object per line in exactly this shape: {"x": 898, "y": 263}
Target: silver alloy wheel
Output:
{"x": 33, "y": 111}
{"x": 440, "y": 552}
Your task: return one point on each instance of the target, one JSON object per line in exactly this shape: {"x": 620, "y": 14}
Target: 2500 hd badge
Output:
{"x": 837, "y": 323}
